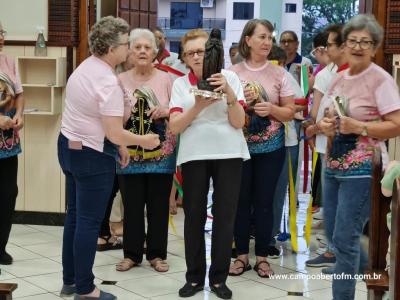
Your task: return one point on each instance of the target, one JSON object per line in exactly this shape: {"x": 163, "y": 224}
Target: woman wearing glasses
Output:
{"x": 11, "y": 121}
{"x": 369, "y": 104}
{"x": 212, "y": 145}
{"x": 94, "y": 111}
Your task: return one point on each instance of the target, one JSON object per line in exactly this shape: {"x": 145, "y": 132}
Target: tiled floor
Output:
{"x": 37, "y": 270}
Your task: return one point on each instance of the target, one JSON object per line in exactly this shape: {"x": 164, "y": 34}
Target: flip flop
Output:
{"x": 257, "y": 269}
{"x": 125, "y": 265}
{"x": 245, "y": 268}
{"x": 159, "y": 265}
{"x": 116, "y": 245}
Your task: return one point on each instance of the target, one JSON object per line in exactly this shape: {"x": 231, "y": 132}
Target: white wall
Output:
{"x": 21, "y": 17}
{"x": 234, "y": 28}
{"x": 292, "y": 21}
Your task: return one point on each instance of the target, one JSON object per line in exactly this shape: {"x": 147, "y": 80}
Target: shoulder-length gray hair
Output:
{"x": 364, "y": 22}
{"x": 143, "y": 33}
{"x": 248, "y": 30}
{"x": 106, "y": 34}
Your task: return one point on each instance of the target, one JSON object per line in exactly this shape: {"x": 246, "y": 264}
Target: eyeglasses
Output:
{"x": 199, "y": 52}
{"x": 287, "y": 42}
{"x": 328, "y": 45}
{"x": 315, "y": 50}
{"x": 3, "y": 33}
{"x": 123, "y": 44}
{"x": 364, "y": 45}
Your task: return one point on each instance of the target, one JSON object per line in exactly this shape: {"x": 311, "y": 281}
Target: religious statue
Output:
{"x": 212, "y": 64}
{"x": 7, "y": 93}
{"x": 213, "y": 59}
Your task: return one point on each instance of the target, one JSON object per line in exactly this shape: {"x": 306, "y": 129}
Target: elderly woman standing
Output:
{"x": 11, "y": 121}
{"x": 211, "y": 145}
{"x": 371, "y": 114}
{"x": 94, "y": 110}
{"x": 147, "y": 181}
{"x": 265, "y": 139}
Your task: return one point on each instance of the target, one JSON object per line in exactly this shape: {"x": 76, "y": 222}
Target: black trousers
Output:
{"x": 152, "y": 190}
{"x": 316, "y": 183}
{"x": 226, "y": 175}
{"x": 105, "y": 224}
{"x": 257, "y": 189}
{"x": 8, "y": 197}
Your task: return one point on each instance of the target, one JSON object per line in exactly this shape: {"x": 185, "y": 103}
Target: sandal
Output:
{"x": 269, "y": 272}
{"x": 245, "y": 268}
{"x": 125, "y": 265}
{"x": 159, "y": 265}
{"x": 111, "y": 243}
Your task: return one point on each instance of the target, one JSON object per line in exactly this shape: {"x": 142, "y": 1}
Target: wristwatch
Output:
{"x": 364, "y": 131}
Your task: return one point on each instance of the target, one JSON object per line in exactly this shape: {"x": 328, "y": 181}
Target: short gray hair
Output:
{"x": 143, "y": 33}
{"x": 106, "y": 34}
{"x": 367, "y": 23}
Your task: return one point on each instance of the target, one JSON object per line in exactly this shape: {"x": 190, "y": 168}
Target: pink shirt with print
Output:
{"x": 270, "y": 76}
{"x": 160, "y": 83}
{"x": 7, "y": 65}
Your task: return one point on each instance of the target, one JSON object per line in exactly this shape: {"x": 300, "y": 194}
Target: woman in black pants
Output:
{"x": 265, "y": 138}
{"x": 211, "y": 145}
{"x": 11, "y": 121}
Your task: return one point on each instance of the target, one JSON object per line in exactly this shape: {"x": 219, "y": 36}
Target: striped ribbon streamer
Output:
{"x": 307, "y": 232}
{"x": 292, "y": 208}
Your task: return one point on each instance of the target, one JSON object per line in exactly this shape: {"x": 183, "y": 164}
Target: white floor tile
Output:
{"x": 46, "y": 228}
{"x": 25, "y": 288}
{"x": 20, "y": 229}
{"x": 109, "y": 273}
{"x": 327, "y": 294}
{"x": 49, "y": 282}
{"x": 33, "y": 267}
{"x": 152, "y": 286}
{"x": 103, "y": 259}
{"x": 47, "y": 296}
{"x": 5, "y": 276}
{"x": 254, "y": 290}
{"x": 33, "y": 239}
{"x": 19, "y": 253}
{"x": 51, "y": 249}
{"x": 122, "y": 294}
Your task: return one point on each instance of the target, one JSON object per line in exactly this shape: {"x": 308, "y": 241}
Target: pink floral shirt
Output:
{"x": 370, "y": 95}
{"x": 164, "y": 160}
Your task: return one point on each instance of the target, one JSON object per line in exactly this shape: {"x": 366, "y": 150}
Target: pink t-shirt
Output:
{"x": 371, "y": 94}
{"x": 7, "y": 65}
{"x": 270, "y": 76}
{"x": 160, "y": 83}
{"x": 268, "y": 135}
{"x": 9, "y": 139}
{"x": 93, "y": 90}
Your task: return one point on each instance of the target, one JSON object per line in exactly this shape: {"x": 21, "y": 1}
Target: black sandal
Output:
{"x": 245, "y": 267}
{"x": 257, "y": 268}
{"x": 116, "y": 245}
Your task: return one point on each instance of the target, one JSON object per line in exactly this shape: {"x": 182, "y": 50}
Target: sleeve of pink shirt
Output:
{"x": 111, "y": 101}
{"x": 387, "y": 97}
{"x": 286, "y": 89}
